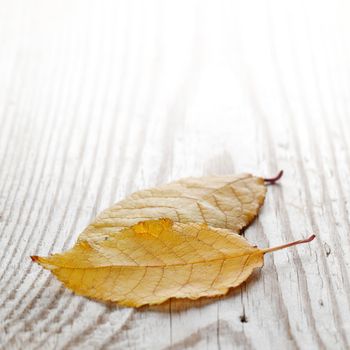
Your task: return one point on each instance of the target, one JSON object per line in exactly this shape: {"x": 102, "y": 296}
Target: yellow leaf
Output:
{"x": 230, "y": 202}
{"x": 155, "y": 260}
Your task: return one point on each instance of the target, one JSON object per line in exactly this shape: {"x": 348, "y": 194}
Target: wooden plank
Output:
{"x": 99, "y": 99}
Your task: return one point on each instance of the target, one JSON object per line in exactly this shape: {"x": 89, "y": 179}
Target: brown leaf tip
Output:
{"x": 34, "y": 258}
{"x": 311, "y": 238}
{"x": 273, "y": 180}
{"x": 291, "y": 244}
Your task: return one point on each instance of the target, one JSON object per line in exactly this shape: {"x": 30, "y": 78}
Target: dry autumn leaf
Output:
{"x": 155, "y": 260}
{"x": 188, "y": 246}
{"x": 230, "y": 202}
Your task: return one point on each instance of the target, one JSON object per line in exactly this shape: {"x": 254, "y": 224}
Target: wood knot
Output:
{"x": 243, "y": 318}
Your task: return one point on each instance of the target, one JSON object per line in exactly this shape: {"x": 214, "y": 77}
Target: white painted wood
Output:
{"x": 101, "y": 98}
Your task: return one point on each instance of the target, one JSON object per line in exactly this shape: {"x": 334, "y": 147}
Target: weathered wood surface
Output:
{"x": 102, "y": 98}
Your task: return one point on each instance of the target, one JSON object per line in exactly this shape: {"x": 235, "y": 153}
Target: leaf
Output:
{"x": 230, "y": 202}
{"x": 155, "y": 260}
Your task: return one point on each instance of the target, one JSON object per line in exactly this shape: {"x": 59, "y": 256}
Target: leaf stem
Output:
{"x": 270, "y": 250}
{"x": 273, "y": 180}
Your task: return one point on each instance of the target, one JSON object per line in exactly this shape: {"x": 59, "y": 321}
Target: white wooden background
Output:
{"x": 102, "y": 98}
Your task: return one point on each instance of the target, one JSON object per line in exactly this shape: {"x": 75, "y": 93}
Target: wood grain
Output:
{"x": 102, "y": 98}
